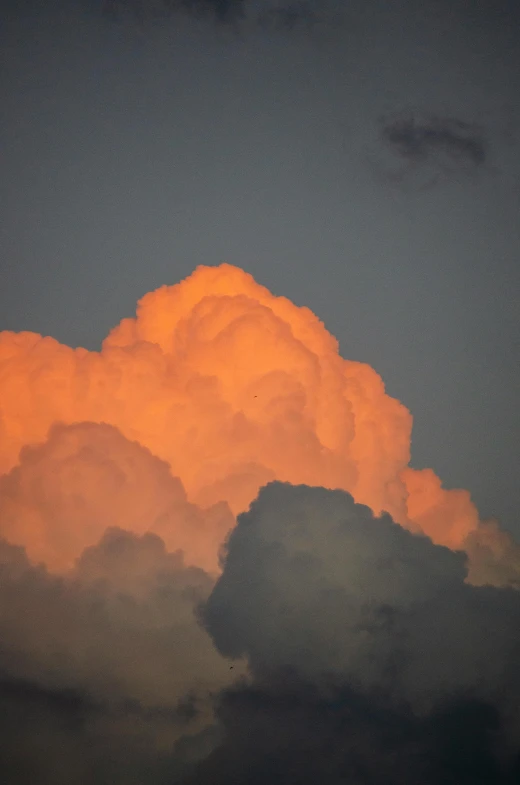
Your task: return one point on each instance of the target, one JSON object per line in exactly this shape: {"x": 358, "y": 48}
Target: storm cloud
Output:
{"x": 372, "y": 659}
{"x": 145, "y": 635}
{"x": 335, "y": 646}
{"x": 104, "y": 670}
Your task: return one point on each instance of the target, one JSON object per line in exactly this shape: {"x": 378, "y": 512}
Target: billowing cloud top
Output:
{"x": 231, "y": 387}
{"x": 148, "y": 636}
{"x": 316, "y": 583}
{"x": 371, "y": 658}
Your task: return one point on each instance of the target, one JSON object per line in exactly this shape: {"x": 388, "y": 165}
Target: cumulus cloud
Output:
{"x": 494, "y": 556}
{"x": 315, "y": 582}
{"x": 109, "y": 662}
{"x": 368, "y": 657}
{"x": 232, "y": 387}
{"x": 335, "y": 646}
{"x": 353, "y": 625}
{"x": 291, "y": 732}
{"x": 86, "y": 477}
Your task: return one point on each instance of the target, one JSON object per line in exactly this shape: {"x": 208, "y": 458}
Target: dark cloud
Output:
{"x": 419, "y": 140}
{"x": 41, "y": 733}
{"x": 104, "y": 670}
{"x": 423, "y": 150}
{"x": 128, "y": 605}
{"x": 290, "y": 16}
{"x": 380, "y": 629}
{"x": 291, "y": 732}
{"x": 222, "y": 11}
{"x": 53, "y": 736}
{"x": 370, "y": 659}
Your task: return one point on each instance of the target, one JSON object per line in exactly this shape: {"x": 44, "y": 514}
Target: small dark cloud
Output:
{"x": 421, "y": 139}
{"x": 290, "y": 17}
{"x": 423, "y": 150}
{"x": 285, "y": 17}
{"x": 223, "y": 11}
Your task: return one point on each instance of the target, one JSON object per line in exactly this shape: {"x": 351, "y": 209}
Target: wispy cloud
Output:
{"x": 421, "y": 150}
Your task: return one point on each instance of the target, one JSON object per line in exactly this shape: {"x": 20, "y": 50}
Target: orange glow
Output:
{"x": 230, "y": 387}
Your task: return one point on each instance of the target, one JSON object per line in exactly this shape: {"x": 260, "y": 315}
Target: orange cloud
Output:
{"x": 224, "y": 386}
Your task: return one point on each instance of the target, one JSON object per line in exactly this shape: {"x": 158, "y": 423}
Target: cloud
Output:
{"x": 494, "y": 557}
{"x": 335, "y": 646}
{"x": 291, "y": 732}
{"x": 425, "y": 149}
{"x": 285, "y": 16}
{"x": 291, "y": 16}
{"x": 378, "y": 627}
{"x": 315, "y": 582}
{"x": 418, "y": 140}
{"x": 106, "y": 667}
{"x": 182, "y": 380}
{"x": 369, "y": 659}
{"x": 222, "y": 11}
{"x": 119, "y": 627}
{"x": 86, "y": 477}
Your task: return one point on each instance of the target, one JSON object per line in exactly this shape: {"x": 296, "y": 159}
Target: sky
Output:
{"x": 361, "y": 159}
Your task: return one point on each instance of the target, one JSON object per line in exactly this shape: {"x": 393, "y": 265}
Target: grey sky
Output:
{"x": 137, "y": 148}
